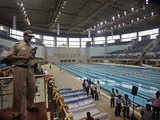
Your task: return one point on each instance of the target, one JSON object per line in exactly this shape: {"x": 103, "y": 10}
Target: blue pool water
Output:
{"x": 121, "y": 78}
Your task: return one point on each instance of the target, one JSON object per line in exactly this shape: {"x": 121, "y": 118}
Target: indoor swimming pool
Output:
{"x": 121, "y": 78}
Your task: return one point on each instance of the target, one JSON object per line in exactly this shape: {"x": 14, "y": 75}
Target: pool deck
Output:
{"x": 66, "y": 80}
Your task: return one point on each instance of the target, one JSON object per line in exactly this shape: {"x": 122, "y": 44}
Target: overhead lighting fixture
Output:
{"x": 132, "y": 21}
{"x": 113, "y": 18}
{"x": 152, "y": 13}
{"x": 101, "y": 23}
{"x": 28, "y": 22}
{"x": 118, "y": 15}
{"x": 147, "y": 2}
{"x": 21, "y": 5}
{"x": 98, "y": 31}
{"x": 125, "y": 13}
{"x": 132, "y": 9}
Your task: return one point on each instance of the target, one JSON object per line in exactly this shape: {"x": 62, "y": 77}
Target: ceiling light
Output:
{"x": 98, "y": 31}
{"x": 147, "y": 1}
{"x": 152, "y": 13}
{"x": 113, "y": 18}
{"x": 132, "y": 9}
{"x": 118, "y": 15}
{"x": 125, "y": 13}
{"x": 132, "y": 21}
{"x": 28, "y": 22}
{"x": 21, "y": 4}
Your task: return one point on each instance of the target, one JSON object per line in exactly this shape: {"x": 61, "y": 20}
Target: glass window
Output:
{"x": 16, "y": 32}
{"x": 99, "y": 40}
{"x": 74, "y": 42}
{"x": 48, "y": 38}
{"x": 61, "y": 42}
{"x": 148, "y": 32}
{"x": 84, "y": 41}
{"x": 37, "y": 36}
{"x": 17, "y": 37}
{"x": 48, "y": 41}
{"x": 111, "y": 39}
{"x": 154, "y": 36}
{"x": 129, "y": 37}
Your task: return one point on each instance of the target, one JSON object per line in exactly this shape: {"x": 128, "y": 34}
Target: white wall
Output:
{"x": 57, "y": 54}
{"x": 97, "y": 51}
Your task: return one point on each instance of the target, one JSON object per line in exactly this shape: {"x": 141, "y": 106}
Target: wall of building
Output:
{"x": 67, "y": 55}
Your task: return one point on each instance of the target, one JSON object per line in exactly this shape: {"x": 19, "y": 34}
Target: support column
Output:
{"x": 120, "y": 37}
{"x": 93, "y": 41}
{"x": 80, "y": 39}
{"x": 138, "y": 36}
{"x": 105, "y": 44}
{"x": 55, "y": 41}
{"x": 68, "y": 42}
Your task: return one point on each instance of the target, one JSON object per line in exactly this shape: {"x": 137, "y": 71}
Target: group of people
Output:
{"x": 151, "y": 112}
{"x": 90, "y": 88}
{"x": 120, "y": 103}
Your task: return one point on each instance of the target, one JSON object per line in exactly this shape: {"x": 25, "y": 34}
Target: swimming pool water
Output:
{"x": 121, "y": 78}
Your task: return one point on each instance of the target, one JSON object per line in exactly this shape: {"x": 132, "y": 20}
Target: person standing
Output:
{"x": 112, "y": 98}
{"x": 147, "y": 113}
{"x": 98, "y": 86}
{"x": 24, "y": 83}
{"x": 156, "y": 105}
{"x": 87, "y": 87}
{"x": 118, "y": 105}
{"x": 89, "y": 117}
{"x": 92, "y": 90}
{"x": 126, "y": 105}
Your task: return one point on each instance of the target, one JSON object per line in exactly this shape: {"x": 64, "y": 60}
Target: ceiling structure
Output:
{"x": 77, "y": 16}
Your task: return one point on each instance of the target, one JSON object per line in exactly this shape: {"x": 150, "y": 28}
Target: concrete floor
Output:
{"x": 66, "y": 80}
